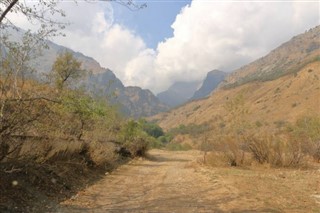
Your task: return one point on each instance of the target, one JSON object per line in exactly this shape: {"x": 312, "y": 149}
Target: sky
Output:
{"x": 172, "y": 40}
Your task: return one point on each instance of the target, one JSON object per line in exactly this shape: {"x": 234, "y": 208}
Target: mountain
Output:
{"x": 277, "y": 89}
{"x": 179, "y": 93}
{"x": 290, "y": 57}
{"x": 140, "y": 102}
{"x": 212, "y": 80}
{"x": 133, "y": 101}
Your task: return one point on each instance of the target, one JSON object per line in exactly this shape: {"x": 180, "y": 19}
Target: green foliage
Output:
{"x": 155, "y": 143}
{"x": 307, "y": 131}
{"x": 66, "y": 69}
{"x": 167, "y": 138}
{"x": 130, "y": 131}
{"x": 136, "y": 140}
{"x": 152, "y": 129}
{"x": 192, "y": 129}
{"x": 178, "y": 147}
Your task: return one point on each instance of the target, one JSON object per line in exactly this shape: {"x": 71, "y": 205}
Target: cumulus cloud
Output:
{"x": 226, "y": 35}
{"x": 206, "y": 35}
{"x": 114, "y": 46}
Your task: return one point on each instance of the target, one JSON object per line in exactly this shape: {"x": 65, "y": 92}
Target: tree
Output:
{"x": 65, "y": 69}
{"x": 151, "y": 129}
{"x": 39, "y": 10}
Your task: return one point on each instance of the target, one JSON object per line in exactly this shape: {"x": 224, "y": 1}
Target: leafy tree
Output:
{"x": 152, "y": 129}
{"x": 66, "y": 69}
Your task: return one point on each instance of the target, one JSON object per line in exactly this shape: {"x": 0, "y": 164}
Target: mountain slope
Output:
{"x": 179, "y": 93}
{"x": 270, "y": 103}
{"x": 98, "y": 81}
{"x": 282, "y": 100}
{"x": 290, "y": 57}
{"x": 212, "y": 80}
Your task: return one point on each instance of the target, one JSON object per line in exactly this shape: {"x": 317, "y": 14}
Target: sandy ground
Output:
{"x": 176, "y": 182}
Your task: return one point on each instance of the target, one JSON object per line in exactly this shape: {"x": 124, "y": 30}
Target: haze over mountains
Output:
{"x": 179, "y": 93}
{"x": 182, "y": 92}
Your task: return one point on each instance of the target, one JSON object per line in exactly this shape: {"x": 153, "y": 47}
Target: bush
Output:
{"x": 191, "y": 129}
{"x": 306, "y": 131}
{"x": 151, "y": 129}
{"x": 178, "y": 147}
{"x": 275, "y": 151}
{"x": 233, "y": 150}
{"x": 167, "y": 138}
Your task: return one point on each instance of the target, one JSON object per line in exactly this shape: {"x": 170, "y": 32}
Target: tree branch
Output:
{"x": 3, "y": 15}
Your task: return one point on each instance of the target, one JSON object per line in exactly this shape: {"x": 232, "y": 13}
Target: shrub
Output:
{"x": 152, "y": 129}
{"x": 306, "y": 131}
{"x": 178, "y": 147}
{"x": 191, "y": 129}
{"x": 164, "y": 139}
{"x": 275, "y": 151}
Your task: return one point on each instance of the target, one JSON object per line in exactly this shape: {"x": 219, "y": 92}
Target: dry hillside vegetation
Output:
{"x": 55, "y": 139}
{"x": 290, "y": 57}
{"x": 268, "y": 103}
{"x": 274, "y": 122}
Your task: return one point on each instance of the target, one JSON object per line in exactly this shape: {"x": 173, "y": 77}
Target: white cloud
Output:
{"x": 206, "y": 35}
{"x": 209, "y": 35}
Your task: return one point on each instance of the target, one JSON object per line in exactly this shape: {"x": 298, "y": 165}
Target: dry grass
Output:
{"x": 279, "y": 190}
{"x": 266, "y": 102}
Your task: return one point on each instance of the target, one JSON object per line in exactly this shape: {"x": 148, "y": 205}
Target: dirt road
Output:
{"x": 170, "y": 182}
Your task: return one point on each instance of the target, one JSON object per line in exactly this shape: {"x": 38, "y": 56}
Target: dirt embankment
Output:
{"x": 176, "y": 182}
{"x": 39, "y": 181}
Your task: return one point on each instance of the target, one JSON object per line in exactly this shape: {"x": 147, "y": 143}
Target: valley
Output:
{"x": 221, "y": 113}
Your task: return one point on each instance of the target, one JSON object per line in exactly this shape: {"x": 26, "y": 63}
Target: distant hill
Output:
{"x": 212, "y": 80}
{"x": 103, "y": 82}
{"x": 179, "y": 93}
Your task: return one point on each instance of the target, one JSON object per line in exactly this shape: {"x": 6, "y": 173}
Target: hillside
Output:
{"x": 98, "y": 81}
{"x": 212, "y": 80}
{"x": 104, "y": 82}
{"x": 269, "y": 104}
{"x": 290, "y": 57}
{"x": 133, "y": 101}
{"x": 283, "y": 99}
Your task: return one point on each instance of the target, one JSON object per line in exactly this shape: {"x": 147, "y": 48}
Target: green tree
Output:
{"x": 151, "y": 129}
{"x": 66, "y": 69}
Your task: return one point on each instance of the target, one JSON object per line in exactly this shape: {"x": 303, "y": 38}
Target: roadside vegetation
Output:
{"x": 55, "y": 138}
{"x": 235, "y": 141}
{"x": 57, "y": 133}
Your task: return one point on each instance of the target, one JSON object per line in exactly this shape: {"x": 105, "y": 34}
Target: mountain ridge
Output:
{"x": 178, "y": 93}
{"x": 303, "y": 48}
{"x": 98, "y": 81}
{"x": 288, "y": 95}
{"x": 211, "y": 81}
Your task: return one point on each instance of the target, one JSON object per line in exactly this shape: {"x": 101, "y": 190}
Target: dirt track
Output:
{"x": 168, "y": 182}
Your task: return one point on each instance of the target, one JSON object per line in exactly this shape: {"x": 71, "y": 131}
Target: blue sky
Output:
{"x": 152, "y": 23}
